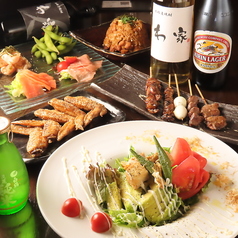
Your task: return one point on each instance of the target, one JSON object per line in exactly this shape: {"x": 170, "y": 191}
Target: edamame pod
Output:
{"x": 49, "y": 43}
{"x": 40, "y": 44}
{"x": 68, "y": 48}
{"x": 48, "y": 57}
{"x": 34, "y": 48}
{"x": 54, "y": 36}
{"x": 54, "y": 55}
{"x": 38, "y": 54}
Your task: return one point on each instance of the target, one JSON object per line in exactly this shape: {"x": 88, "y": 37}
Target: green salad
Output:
{"x": 139, "y": 191}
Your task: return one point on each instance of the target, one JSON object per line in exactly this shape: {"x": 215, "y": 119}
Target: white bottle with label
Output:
{"x": 171, "y": 39}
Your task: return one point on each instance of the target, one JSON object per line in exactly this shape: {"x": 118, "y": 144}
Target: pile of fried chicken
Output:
{"x": 68, "y": 115}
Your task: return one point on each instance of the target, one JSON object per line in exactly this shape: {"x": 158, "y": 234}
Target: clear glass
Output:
{"x": 14, "y": 180}
{"x": 162, "y": 69}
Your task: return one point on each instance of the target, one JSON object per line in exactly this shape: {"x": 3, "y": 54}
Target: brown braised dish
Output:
{"x": 126, "y": 34}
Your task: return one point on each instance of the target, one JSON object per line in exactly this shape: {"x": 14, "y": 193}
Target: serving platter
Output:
{"x": 128, "y": 87}
{"x": 212, "y": 216}
{"x": 114, "y": 115}
{"x": 10, "y": 104}
{"x": 87, "y": 37}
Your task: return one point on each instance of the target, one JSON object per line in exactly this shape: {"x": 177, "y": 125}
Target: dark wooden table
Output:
{"x": 36, "y": 225}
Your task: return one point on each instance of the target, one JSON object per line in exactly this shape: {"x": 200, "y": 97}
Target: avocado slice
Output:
{"x": 113, "y": 199}
{"x": 160, "y": 204}
{"x": 129, "y": 195}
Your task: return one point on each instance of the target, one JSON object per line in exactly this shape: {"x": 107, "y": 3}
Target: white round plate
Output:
{"x": 211, "y": 217}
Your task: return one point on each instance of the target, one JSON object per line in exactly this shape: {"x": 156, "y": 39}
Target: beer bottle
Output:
{"x": 212, "y": 43}
{"x": 14, "y": 180}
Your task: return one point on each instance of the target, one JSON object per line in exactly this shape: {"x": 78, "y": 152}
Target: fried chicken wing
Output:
{"x": 50, "y": 130}
{"x": 95, "y": 112}
{"x": 85, "y": 103}
{"x": 29, "y": 123}
{"x": 21, "y": 129}
{"x": 65, "y": 107}
{"x": 37, "y": 143}
{"x": 66, "y": 129}
{"x": 54, "y": 115}
{"x": 79, "y": 121}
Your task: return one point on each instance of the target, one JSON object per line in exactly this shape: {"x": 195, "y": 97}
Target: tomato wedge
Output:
{"x": 202, "y": 160}
{"x": 189, "y": 177}
{"x": 70, "y": 59}
{"x": 180, "y": 151}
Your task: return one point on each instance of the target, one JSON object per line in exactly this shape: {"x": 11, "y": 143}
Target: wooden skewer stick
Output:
{"x": 177, "y": 86}
{"x": 190, "y": 88}
{"x": 200, "y": 93}
{"x": 169, "y": 80}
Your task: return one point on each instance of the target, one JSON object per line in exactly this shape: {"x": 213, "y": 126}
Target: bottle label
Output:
{"x": 7, "y": 187}
{"x": 212, "y": 51}
{"x": 171, "y": 33}
{"x": 36, "y": 17}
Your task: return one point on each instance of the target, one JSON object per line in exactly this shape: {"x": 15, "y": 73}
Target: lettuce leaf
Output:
{"x": 15, "y": 88}
{"x": 64, "y": 75}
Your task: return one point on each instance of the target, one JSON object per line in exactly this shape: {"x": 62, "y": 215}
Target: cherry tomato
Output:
{"x": 180, "y": 151}
{"x": 101, "y": 222}
{"x": 70, "y": 59}
{"x": 72, "y": 207}
{"x": 62, "y": 65}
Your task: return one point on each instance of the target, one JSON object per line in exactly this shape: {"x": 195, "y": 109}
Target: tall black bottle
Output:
{"x": 212, "y": 43}
{"x": 27, "y": 22}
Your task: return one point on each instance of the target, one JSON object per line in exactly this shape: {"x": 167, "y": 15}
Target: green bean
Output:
{"x": 164, "y": 160}
{"x": 38, "y": 54}
{"x": 49, "y": 43}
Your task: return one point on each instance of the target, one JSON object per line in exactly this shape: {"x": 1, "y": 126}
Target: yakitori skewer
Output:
{"x": 153, "y": 89}
{"x": 211, "y": 114}
{"x": 168, "y": 111}
{"x": 194, "y": 114}
{"x": 180, "y": 103}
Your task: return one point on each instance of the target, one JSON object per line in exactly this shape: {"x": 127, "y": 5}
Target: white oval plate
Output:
{"x": 211, "y": 217}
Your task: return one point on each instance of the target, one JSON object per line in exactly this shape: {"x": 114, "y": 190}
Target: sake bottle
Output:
{"x": 14, "y": 180}
{"x": 212, "y": 43}
{"x": 171, "y": 39}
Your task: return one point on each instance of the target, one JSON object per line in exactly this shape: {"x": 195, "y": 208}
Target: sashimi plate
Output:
{"x": 213, "y": 216}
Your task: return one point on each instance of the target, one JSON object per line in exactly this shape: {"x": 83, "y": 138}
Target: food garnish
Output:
{"x": 150, "y": 190}
{"x": 72, "y": 207}
{"x": 101, "y": 222}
